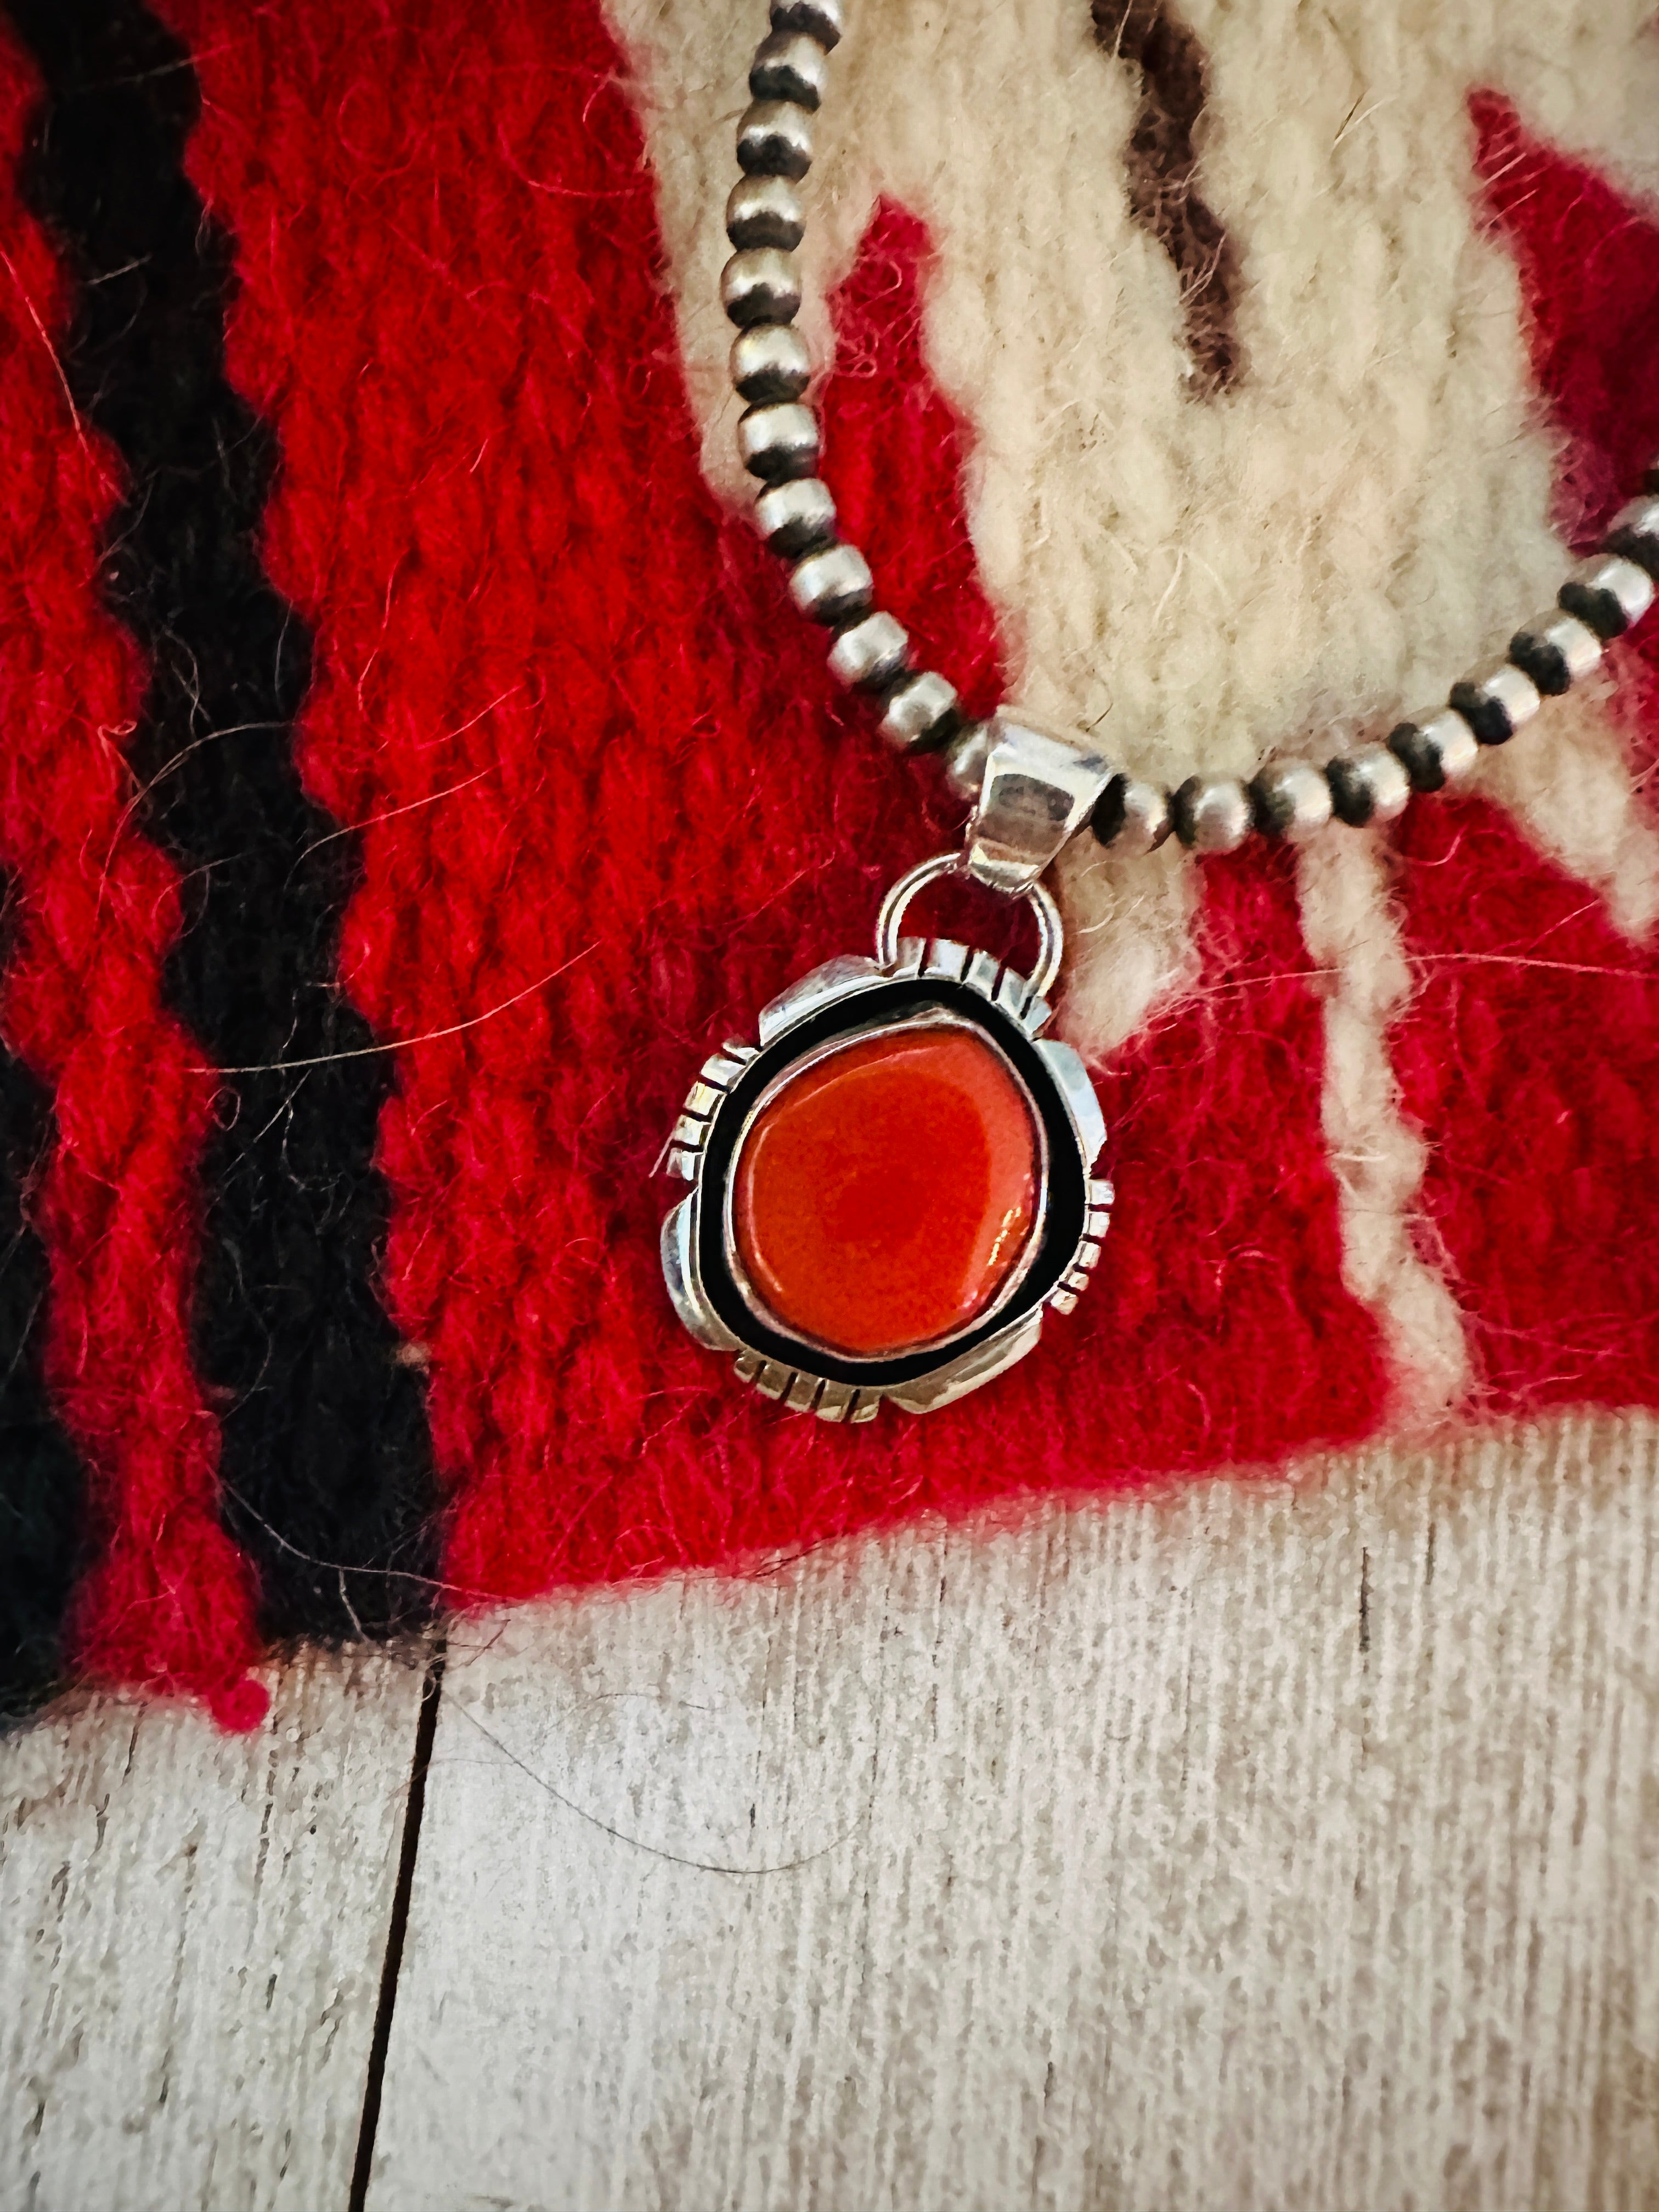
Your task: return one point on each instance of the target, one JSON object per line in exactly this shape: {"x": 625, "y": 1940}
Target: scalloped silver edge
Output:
{"x": 847, "y": 976}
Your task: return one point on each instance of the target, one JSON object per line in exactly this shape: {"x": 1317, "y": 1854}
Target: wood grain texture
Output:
{"x": 1259, "y": 1846}
{"x": 191, "y": 1930}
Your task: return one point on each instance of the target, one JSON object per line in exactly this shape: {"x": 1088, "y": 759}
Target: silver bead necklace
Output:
{"x": 893, "y": 1186}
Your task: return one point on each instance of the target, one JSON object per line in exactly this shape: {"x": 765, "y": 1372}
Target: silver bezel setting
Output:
{"x": 854, "y": 997}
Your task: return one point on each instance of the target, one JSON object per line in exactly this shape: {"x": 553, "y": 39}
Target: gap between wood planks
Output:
{"x": 426, "y": 1731}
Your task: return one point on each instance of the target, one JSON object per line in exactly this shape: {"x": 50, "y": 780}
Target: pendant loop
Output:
{"x": 1036, "y": 793}
{"x": 1051, "y": 931}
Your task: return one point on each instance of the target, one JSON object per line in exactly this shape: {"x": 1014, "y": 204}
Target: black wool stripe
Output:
{"x": 43, "y": 1487}
{"x": 325, "y": 1463}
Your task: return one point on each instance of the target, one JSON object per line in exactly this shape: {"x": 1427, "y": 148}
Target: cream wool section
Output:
{"x": 1350, "y": 933}
{"x": 1587, "y": 79}
{"x": 1567, "y": 782}
{"x": 1364, "y": 515}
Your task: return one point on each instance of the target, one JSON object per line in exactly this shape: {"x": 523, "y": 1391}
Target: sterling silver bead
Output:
{"x": 1435, "y": 750}
{"x": 1292, "y": 799}
{"x": 796, "y": 517}
{"x": 770, "y": 362}
{"x": 789, "y": 65}
{"x": 760, "y": 285}
{"x": 868, "y": 656}
{"x": 775, "y": 139}
{"x": 819, "y": 19}
{"x": 779, "y": 440}
{"x": 1608, "y": 593}
{"x": 1131, "y": 817}
{"x": 765, "y": 211}
{"x": 1368, "y": 786}
{"x": 1556, "y": 650}
{"x": 1633, "y": 534}
{"x": 923, "y": 712}
{"x": 1496, "y": 700}
{"x": 832, "y": 586}
{"x": 965, "y": 759}
{"x": 1212, "y": 813}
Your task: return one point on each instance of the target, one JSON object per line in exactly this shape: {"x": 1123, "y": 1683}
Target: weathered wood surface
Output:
{"x": 191, "y": 1932}
{"x": 1251, "y": 1847}
{"x": 1279, "y": 1849}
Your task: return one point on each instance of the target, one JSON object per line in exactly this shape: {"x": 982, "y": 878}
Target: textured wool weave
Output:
{"x": 414, "y": 766}
{"x": 105, "y": 1176}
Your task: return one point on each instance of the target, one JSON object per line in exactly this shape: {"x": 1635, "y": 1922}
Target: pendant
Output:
{"x": 894, "y": 1184}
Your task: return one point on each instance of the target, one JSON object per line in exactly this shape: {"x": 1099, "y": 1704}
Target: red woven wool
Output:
{"x": 609, "y": 803}
{"x": 1531, "y": 1055}
{"x": 1589, "y": 266}
{"x": 167, "y": 1600}
{"x": 611, "y": 806}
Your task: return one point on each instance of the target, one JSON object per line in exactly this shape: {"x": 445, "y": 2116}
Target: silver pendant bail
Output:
{"x": 1037, "y": 792}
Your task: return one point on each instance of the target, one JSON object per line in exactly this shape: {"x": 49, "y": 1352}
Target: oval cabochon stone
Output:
{"x": 886, "y": 1194}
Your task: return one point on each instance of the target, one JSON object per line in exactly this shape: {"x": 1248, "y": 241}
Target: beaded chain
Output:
{"x": 829, "y": 580}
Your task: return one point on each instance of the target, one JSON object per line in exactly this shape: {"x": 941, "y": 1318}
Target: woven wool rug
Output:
{"x": 412, "y": 765}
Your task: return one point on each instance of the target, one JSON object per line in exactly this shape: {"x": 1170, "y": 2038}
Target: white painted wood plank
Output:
{"x": 192, "y": 1931}
{"x": 1282, "y": 1847}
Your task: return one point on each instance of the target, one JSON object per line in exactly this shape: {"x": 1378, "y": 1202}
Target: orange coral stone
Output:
{"x": 882, "y": 1198}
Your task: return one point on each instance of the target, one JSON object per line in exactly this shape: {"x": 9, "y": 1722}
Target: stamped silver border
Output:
{"x": 955, "y": 1374}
